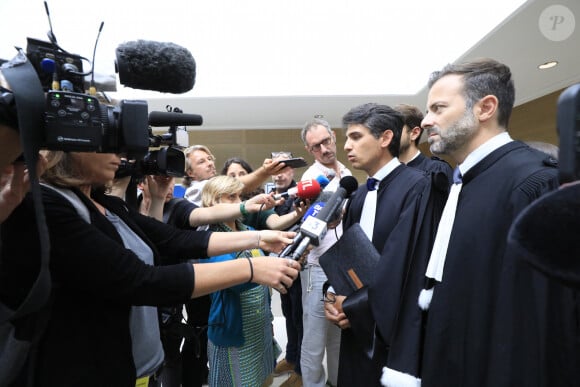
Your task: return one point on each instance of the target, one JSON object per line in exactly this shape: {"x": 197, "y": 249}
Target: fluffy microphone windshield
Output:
{"x": 148, "y": 65}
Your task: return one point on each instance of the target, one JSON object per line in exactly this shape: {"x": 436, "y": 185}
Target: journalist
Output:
{"x": 104, "y": 259}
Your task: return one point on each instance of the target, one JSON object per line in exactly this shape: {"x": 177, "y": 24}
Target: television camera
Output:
{"x": 70, "y": 119}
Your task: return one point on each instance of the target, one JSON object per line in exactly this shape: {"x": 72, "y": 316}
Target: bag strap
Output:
{"x": 30, "y": 103}
{"x": 168, "y": 210}
{"x": 77, "y": 203}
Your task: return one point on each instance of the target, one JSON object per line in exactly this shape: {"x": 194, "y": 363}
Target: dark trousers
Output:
{"x": 292, "y": 311}
{"x": 187, "y": 368}
{"x": 194, "y": 354}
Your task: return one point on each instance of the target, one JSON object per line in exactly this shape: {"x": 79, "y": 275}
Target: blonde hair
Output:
{"x": 186, "y": 181}
{"x": 218, "y": 186}
{"x": 62, "y": 170}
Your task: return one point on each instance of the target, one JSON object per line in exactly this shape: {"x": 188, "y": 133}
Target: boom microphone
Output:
{"x": 174, "y": 119}
{"x": 305, "y": 189}
{"x": 149, "y": 65}
{"x": 314, "y": 227}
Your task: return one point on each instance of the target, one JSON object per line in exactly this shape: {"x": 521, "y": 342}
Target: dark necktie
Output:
{"x": 372, "y": 183}
{"x": 457, "y": 178}
{"x": 367, "y": 220}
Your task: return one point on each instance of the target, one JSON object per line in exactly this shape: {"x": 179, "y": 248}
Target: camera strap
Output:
{"x": 30, "y": 103}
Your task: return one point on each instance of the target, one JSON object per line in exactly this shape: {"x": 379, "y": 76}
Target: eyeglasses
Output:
{"x": 326, "y": 142}
{"x": 286, "y": 155}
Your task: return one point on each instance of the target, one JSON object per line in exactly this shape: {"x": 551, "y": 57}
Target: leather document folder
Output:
{"x": 349, "y": 263}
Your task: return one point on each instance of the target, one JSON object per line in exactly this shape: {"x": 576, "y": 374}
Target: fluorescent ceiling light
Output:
{"x": 272, "y": 47}
{"x": 548, "y": 65}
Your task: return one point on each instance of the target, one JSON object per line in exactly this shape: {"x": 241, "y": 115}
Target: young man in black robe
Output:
{"x": 491, "y": 320}
{"x": 399, "y": 228}
{"x": 409, "y": 152}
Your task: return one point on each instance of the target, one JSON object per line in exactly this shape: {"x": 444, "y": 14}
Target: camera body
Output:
{"x": 166, "y": 161}
{"x": 569, "y": 133}
{"x": 48, "y": 87}
{"x": 75, "y": 121}
{"x": 53, "y": 64}
{"x": 78, "y": 122}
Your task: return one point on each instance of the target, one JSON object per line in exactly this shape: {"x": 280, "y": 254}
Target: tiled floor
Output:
{"x": 279, "y": 333}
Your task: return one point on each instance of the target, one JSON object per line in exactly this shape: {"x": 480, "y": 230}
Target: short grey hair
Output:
{"x": 311, "y": 124}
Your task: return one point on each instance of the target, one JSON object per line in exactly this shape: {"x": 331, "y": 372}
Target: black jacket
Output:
{"x": 87, "y": 340}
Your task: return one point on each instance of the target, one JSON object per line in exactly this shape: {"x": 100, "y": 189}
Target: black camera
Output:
{"x": 167, "y": 161}
{"x": 569, "y": 133}
{"x": 72, "y": 121}
{"x": 78, "y": 122}
{"x": 53, "y": 64}
{"x": 48, "y": 87}
{"x": 75, "y": 121}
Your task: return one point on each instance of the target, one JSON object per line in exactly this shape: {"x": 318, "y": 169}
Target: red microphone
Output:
{"x": 305, "y": 189}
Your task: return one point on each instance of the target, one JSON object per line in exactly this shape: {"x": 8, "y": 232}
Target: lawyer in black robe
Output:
{"x": 403, "y": 235}
{"x": 493, "y": 321}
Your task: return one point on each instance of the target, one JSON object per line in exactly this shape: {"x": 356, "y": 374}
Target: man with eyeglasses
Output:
{"x": 319, "y": 334}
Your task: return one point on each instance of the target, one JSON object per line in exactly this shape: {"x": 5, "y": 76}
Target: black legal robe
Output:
{"x": 433, "y": 165}
{"x": 492, "y": 320}
{"x": 403, "y": 235}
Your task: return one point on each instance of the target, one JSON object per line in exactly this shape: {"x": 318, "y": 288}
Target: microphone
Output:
{"x": 314, "y": 227}
{"x": 174, "y": 119}
{"x": 313, "y": 210}
{"x": 305, "y": 189}
{"x": 149, "y": 65}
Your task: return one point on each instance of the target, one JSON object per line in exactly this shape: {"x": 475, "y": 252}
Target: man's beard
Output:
{"x": 455, "y": 136}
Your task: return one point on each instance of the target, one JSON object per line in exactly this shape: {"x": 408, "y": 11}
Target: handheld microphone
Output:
{"x": 313, "y": 210}
{"x": 149, "y": 65}
{"x": 314, "y": 227}
{"x": 305, "y": 189}
{"x": 174, "y": 119}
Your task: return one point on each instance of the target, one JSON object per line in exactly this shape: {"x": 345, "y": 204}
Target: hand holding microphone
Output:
{"x": 316, "y": 220}
{"x": 305, "y": 189}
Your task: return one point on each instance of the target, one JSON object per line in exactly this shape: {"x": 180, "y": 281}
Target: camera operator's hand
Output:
{"x": 158, "y": 186}
{"x": 155, "y": 190}
{"x": 14, "y": 184}
{"x": 275, "y": 241}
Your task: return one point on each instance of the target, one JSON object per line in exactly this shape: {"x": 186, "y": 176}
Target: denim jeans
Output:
{"x": 319, "y": 333}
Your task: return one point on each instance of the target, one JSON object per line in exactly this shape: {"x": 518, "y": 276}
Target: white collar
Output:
{"x": 483, "y": 150}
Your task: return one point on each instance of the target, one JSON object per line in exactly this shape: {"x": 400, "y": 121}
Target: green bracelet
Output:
{"x": 243, "y": 208}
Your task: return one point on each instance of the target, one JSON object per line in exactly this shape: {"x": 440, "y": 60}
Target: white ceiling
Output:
{"x": 276, "y": 64}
